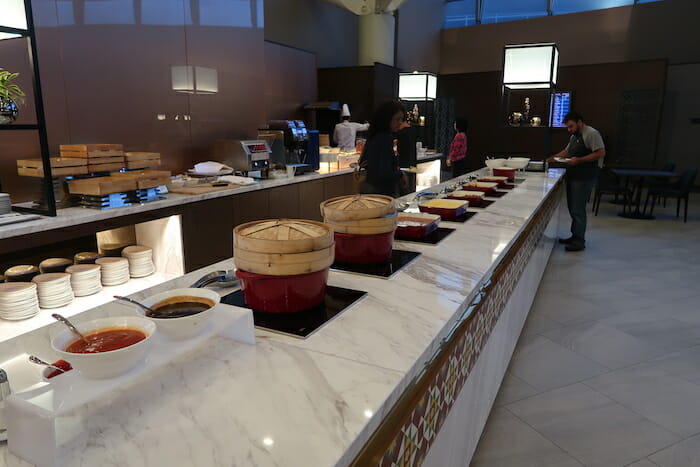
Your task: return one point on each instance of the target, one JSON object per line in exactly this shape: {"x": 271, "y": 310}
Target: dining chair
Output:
{"x": 679, "y": 190}
{"x": 609, "y": 184}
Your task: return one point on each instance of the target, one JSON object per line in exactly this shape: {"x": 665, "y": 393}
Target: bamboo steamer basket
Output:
{"x": 283, "y": 236}
{"x": 357, "y": 207}
{"x": 284, "y": 264}
{"x": 378, "y": 225}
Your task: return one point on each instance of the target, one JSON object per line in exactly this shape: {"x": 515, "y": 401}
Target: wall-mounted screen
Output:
{"x": 561, "y": 105}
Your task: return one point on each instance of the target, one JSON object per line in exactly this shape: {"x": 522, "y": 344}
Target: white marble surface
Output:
{"x": 76, "y": 215}
{"x": 299, "y": 402}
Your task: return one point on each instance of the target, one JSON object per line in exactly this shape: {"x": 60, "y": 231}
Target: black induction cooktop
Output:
{"x": 496, "y": 194}
{"x": 399, "y": 259}
{"x": 463, "y": 218}
{"x": 433, "y": 238}
{"x": 302, "y": 323}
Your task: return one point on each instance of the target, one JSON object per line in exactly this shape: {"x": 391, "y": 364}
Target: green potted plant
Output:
{"x": 10, "y": 96}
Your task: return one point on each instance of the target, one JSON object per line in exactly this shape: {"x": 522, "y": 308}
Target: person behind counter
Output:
{"x": 345, "y": 132}
{"x": 457, "y": 159}
{"x": 378, "y": 159}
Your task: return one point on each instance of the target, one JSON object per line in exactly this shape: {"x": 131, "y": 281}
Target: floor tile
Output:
{"x": 538, "y": 323}
{"x": 684, "y": 364}
{"x": 566, "y": 308}
{"x": 545, "y": 365}
{"x": 642, "y": 463}
{"x": 513, "y": 389}
{"x": 684, "y": 454}
{"x": 656, "y": 328}
{"x": 669, "y": 401}
{"x": 591, "y": 427}
{"x": 604, "y": 344}
{"x": 508, "y": 442}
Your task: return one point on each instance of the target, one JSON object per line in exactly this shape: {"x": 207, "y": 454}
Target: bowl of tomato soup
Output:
{"x": 182, "y": 313}
{"x": 115, "y": 345}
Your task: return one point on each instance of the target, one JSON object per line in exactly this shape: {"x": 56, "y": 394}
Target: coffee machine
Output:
{"x": 246, "y": 157}
{"x": 296, "y": 139}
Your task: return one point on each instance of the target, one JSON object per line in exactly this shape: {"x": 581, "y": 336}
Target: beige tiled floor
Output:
{"x": 607, "y": 369}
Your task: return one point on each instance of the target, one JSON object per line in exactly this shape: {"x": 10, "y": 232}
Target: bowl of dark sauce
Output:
{"x": 182, "y": 313}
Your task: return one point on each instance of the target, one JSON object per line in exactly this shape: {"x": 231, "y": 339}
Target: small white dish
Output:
{"x": 186, "y": 326}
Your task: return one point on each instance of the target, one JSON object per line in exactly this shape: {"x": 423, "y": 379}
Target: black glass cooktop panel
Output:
{"x": 463, "y": 218}
{"x": 302, "y": 323}
{"x": 496, "y": 194}
{"x": 399, "y": 259}
{"x": 433, "y": 238}
{"x": 483, "y": 204}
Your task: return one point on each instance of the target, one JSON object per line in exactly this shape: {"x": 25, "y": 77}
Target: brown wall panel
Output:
{"x": 290, "y": 81}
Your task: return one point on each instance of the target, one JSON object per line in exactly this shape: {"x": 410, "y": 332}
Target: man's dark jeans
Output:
{"x": 577, "y": 194}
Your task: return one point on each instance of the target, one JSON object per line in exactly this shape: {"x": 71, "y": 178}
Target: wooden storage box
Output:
{"x": 59, "y": 167}
{"x": 146, "y": 178}
{"x": 100, "y": 186}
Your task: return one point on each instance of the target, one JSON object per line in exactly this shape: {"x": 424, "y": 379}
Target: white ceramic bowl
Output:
{"x": 106, "y": 364}
{"x": 187, "y": 326}
{"x": 491, "y": 163}
{"x": 517, "y": 162}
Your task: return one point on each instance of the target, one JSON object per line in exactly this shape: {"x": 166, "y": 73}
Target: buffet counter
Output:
{"x": 71, "y": 217}
{"x": 406, "y": 376}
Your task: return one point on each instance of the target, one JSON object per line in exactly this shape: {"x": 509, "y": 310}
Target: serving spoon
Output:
{"x": 73, "y": 329}
{"x": 138, "y": 304}
{"x": 38, "y": 361}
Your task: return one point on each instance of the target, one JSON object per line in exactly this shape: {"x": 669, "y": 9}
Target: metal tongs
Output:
{"x": 220, "y": 278}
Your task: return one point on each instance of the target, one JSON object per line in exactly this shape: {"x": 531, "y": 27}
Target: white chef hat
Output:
{"x": 346, "y": 111}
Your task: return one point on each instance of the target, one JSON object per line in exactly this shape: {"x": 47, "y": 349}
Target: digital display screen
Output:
{"x": 561, "y": 105}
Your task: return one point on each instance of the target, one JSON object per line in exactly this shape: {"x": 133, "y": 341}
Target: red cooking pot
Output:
{"x": 363, "y": 249}
{"x": 283, "y": 294}
{"x": 505, "y": 172}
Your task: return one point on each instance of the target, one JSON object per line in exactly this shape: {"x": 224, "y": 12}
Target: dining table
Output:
{"x": 639, "y": 176}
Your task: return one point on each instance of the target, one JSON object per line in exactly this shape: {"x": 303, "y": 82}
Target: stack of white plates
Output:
{"x": 18, "y": 300}
{"x": 5, "y": 204}
{"x": 115, "y": 271}
{"x": 85, "y": 279}
{"x": 54, "y": 289}
{"x": 140, "y": 260}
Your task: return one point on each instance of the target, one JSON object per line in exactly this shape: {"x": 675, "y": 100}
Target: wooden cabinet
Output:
{"x": 284, "y": 202}
{"x": 207, "y": 232}
{"x": 311, "y": 195}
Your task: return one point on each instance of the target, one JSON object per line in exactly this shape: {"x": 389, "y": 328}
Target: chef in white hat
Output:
{"x": 345, "y": 132}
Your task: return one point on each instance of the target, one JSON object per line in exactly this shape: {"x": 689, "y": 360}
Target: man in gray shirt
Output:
{"x": 583, "y": 157}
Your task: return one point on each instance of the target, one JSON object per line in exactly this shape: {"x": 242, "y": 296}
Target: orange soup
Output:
{"x": 106, "y": 339}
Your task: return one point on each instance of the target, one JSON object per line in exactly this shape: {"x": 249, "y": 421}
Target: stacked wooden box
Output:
{"x": 60, "y": 167}
{"x": 142, "y": 160}
{"x": 99, "y": 157}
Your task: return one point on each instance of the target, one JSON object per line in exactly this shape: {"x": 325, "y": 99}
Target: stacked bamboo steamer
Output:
{"x": 283, "y": 247}
{"x": 360, "y": 214}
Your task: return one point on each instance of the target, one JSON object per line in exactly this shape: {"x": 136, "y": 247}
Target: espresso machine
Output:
{"x": 296, "y": 139}
{"x": 250, "y": 158}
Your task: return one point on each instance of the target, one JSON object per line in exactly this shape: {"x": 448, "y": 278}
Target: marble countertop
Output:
{"x": 291, "y": 402}
{"x": 76, "y": 215}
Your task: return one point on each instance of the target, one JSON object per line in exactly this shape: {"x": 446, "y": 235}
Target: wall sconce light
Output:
{"x": 194, "y": 79}
{"x": 417, "y": 86}
{"x": 530, "y": 66}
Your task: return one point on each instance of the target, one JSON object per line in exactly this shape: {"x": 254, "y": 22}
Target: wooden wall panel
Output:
{"x": 311, "y": 195}
{"x": 284, "y": 202}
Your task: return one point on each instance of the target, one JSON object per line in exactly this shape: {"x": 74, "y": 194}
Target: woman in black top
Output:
{"x": 378, "y": 156}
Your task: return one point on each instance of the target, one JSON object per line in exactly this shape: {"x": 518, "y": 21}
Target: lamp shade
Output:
{"x": 417, "y": 86}
{"x": 530, "y": 66}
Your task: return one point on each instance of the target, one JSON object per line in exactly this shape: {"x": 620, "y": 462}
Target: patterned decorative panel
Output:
{"x": 427, "y": 410}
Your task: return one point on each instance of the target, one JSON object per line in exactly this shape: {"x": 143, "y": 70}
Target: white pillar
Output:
{"x": 376, "y": 39}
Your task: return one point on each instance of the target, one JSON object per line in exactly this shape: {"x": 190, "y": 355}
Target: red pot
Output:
{"x": 501, "y": 183}
{"x": 505, "y": 172}
{"x": 363, "y": 249}
{"x": 283, "y": 294}
{"x": 415, "y": 231}
{"x": 479, "y": 188}
{"x": 445, "y": 214}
